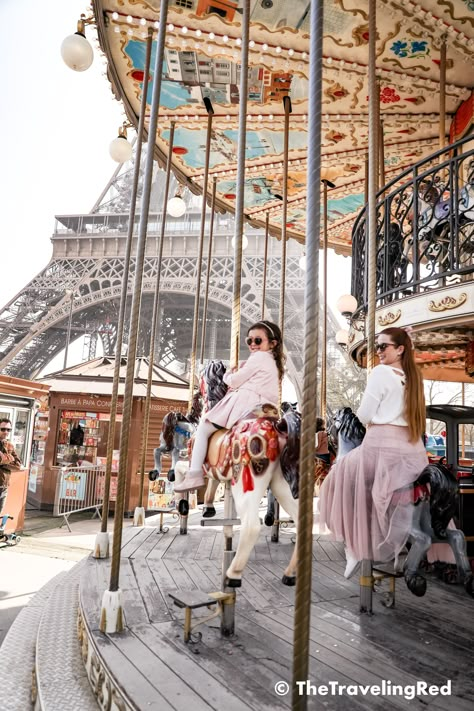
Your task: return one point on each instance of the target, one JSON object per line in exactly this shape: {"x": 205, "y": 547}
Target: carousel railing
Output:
{"x": 425, "y": 228}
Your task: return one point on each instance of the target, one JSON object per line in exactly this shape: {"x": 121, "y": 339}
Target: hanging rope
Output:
{"x": 125, "y": 277}
{"x": 304, "y": 541}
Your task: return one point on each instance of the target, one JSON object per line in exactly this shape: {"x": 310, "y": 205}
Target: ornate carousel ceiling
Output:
{"x": 202, "y": 60}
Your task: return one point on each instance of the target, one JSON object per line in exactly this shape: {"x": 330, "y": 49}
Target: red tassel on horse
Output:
{"x": 247, "y": 479}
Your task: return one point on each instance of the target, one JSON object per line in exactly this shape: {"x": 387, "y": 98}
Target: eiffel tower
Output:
{"x": 82, "y": 285}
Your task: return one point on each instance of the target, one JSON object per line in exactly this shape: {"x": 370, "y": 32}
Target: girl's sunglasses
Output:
{"x": 383, "y": 346}
{"x": 258, "y": 341}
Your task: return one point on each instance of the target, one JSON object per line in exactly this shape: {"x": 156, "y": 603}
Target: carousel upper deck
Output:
{"x": 149, "y": 666}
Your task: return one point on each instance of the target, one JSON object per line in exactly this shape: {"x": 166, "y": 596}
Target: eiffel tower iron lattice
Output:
{"x": 87, "y": 265}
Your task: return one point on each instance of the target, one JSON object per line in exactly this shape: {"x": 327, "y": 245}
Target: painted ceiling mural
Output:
{"x": 202, "y": 60}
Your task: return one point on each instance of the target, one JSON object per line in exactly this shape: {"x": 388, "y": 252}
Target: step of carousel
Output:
{"x": 42, "y": 668}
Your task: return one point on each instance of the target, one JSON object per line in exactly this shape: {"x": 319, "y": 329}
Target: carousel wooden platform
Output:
{"x": 150, "y": 667}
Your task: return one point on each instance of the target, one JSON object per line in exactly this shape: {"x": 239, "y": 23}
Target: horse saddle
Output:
{"x": 252, "y": 439}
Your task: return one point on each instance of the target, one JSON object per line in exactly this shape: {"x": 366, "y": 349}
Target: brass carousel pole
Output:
{"x": 265, "y": 258}
{"x": 101, "y": 547}
{"x": 228, "y": 611}
{"x": 442, "y": 94}
{"x": 286, "y": 134}
{"x": 304, "y": 540}
{"x": 139, "y": 515}
{"x": 365, "y": 579}
{"x": 322, "y": 404}
{"x": 275, "y": 535}
{"x": 111, "y": 618}
{"x": 208, "y": 273}
{"x": 192, "y": 368}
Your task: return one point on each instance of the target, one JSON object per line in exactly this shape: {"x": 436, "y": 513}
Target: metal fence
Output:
{"x": 78, "y": 489}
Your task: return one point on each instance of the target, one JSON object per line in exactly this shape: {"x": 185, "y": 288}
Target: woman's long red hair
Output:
{"x": 415, "y": 408}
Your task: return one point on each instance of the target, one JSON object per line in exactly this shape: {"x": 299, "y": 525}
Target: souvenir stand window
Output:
{"x": 82, "y": 438}
{"x": 38, "y": 446}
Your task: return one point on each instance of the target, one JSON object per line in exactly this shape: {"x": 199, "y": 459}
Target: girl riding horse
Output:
{"x": 257, "y": 382}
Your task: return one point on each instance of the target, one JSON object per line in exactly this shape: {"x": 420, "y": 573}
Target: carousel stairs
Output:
{"x": 42, "y": 668}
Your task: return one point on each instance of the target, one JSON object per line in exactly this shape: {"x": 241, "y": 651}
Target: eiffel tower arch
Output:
{"x": 82, "y": 285}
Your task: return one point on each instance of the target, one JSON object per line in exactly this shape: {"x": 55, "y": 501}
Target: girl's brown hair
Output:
{"x": 273, "y": 334}
{"x": 415, "y": 409}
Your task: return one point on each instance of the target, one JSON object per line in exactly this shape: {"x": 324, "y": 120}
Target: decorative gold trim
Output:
{"x": 389, "y": 318}
{"x": 448, "y": 303}
{"x": 104, "y": 686}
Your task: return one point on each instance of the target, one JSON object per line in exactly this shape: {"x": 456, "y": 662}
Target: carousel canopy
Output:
{"x": 202, "y": 56}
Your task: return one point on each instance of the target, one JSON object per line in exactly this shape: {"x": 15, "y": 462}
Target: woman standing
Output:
{"x": 357, "y": 502}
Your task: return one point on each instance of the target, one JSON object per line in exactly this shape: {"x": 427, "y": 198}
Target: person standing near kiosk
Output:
{"x": 9, "y": 460}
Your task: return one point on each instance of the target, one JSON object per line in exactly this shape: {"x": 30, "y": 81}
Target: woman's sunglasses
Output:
{"x": 383, "y": 346}
{"x": 258, "y": 341}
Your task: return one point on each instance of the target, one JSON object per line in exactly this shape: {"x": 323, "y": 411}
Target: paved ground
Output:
{"x": 44, "y": 551}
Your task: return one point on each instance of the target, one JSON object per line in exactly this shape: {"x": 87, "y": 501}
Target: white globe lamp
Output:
{"x": 342, "y": 337}
{"x": 176, "y": 207}
{"x": 245, "y": 242}
{"x": 120, "y": 149}
{"x": 346, "y": 305}
{"x": 76, "y": 50}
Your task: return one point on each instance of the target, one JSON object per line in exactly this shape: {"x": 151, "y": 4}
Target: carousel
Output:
{"x": 348, "y": 127}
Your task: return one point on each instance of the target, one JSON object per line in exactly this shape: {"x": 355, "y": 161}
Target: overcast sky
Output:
{"x": 56, "y": 127}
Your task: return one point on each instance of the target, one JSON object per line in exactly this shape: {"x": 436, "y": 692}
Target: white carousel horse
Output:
{"x": 259, "y": 452}
{"x": 434, "y": 494}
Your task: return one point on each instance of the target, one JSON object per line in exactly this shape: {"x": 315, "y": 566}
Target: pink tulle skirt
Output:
{"x": 356, "y": 499}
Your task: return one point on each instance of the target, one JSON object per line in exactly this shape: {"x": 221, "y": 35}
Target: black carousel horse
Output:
{"x": 175, "y": 434}
{"x": 436, "y": 502}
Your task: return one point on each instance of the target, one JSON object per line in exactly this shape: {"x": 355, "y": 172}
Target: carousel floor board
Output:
{"x": 428, "y": 639}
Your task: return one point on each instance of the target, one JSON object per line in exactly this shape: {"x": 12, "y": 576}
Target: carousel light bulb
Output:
{"x": 176, "y": 207}
{"x": 120, "y": 149}
{"x": 198, "y": 33}
{"x": 251, "y": 44}
{"x": 184, "y": 30}
{"x": 302, "y": 262}
{"x": 115, "y": 16}
{"x": 346, "y": 305}
{"x": 342, "y": 337}
{"x": 156, "y": 25}
{"x": 225, "y": 38}
{"x": 76, "y": 50}
{"x": 143, "y": 21}
{"x": 291, "y": 52}
{"x": 212, "y": 36}
{"x": 278, "y": 50}
{"x": 264, "y": 46}
{"x": 245, "y": 242}
{"x": 170, "y": 27}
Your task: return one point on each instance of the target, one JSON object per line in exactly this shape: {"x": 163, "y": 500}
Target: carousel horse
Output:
{"x": 258, "y": 452}
{"x": 269, "y": 519}
{"x": 176, "y": 431}
{"x": 435, "y": 498}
